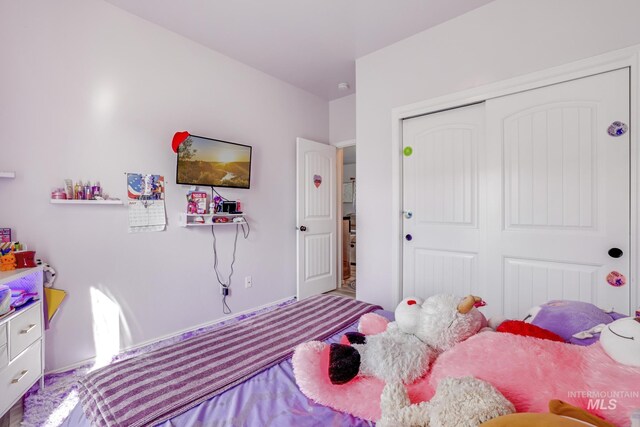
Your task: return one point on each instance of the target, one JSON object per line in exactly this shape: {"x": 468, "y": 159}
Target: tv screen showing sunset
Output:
{"x": 210, "y": 162}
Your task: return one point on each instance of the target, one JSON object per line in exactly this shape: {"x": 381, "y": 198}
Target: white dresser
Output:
{"x": 21, "y": 342}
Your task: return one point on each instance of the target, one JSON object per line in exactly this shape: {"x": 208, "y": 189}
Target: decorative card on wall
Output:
{"x": 148, "y": 187}
{"x": 145, "y": 195}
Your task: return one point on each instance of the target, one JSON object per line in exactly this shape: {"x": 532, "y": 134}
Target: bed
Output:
{"x": 269, "y": 398}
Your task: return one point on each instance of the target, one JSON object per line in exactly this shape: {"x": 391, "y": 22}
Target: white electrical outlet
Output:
{"x": 247, "y": 282}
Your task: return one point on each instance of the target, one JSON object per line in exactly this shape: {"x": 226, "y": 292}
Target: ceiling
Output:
{"x": 311, "y": 44}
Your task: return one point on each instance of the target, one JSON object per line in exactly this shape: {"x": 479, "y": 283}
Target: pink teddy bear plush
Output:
{"x": 602, "y": 378}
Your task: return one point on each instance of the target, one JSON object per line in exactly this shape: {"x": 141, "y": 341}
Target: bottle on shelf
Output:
{"x": 77, "y": 193}
{"x": 96, "y": 190}
{"x": 87, "y": 191}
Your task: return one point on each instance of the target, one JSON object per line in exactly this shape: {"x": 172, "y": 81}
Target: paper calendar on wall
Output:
{"x": 145, "y": 195}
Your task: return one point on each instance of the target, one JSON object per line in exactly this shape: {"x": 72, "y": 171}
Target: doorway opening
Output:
{"x": 348, "y": 226}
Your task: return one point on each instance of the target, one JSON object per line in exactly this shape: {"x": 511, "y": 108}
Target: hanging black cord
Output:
{"x": 213, "y": 190}
{"x": 226, "y": 285}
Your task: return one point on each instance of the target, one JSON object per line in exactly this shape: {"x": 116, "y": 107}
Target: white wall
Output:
{"x": 342, "y": 119}
{"x": 88, "y": 91}
{"x": 503, "y": 39}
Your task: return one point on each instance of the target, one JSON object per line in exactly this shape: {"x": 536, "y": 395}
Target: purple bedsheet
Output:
{"x": 271, "y": 398}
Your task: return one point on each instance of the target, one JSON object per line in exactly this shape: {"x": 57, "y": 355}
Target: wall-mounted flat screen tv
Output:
{"x": 213, "y": 163}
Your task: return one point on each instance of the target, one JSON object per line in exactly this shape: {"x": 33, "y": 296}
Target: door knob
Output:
{"x": 615, "y": 252}
{"x": 302, "y": 228}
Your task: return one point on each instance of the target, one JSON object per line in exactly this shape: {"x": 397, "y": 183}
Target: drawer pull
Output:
{"x": 29, "y": 329}
{"x": 22, "y": 375}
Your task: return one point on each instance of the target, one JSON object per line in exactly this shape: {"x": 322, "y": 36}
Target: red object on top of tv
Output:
{"x": 178, "y": 139}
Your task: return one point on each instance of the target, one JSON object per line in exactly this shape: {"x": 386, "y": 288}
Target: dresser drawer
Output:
{"x": 24, "y": 330}
{"x": 3, "y": 334}
{"x": 4, "y": 356}
{"x": 21, "y": 374}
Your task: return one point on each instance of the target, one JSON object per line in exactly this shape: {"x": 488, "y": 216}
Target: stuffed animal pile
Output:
{"x": 412, "y": 371}
{"x": 379, "y": 373}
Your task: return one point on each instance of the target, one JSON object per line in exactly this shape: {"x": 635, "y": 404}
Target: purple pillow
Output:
{"x": 566, "y": 318}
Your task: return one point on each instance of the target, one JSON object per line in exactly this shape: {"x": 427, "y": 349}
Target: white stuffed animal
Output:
{"x": 458, "y": 402}
{"x": 621, "y": 340}
{"x": 404, "y": 351}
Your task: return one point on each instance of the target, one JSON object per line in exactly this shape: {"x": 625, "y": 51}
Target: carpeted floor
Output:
{"x": 343, "y": 292}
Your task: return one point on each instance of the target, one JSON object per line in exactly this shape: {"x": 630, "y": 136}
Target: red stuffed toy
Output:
{"x": 518, "y": 327}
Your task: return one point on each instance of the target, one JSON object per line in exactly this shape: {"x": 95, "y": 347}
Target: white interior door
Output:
{"x": 443, "y": 227}
{"x": 534, "y": 208}
{"x": 558, "y": 194}
{"x": 316, "y": 218}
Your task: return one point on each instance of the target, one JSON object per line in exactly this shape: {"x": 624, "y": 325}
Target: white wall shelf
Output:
{"x": 209, "y": 224}
{"x": 188, "y": 220}
{"x": 85, "y": 202}
{"x": 6, "y": 174}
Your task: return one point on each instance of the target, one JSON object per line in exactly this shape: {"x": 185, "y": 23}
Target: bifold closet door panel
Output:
{"x": 558, "y": 195}
{"x": 443, "y": 227}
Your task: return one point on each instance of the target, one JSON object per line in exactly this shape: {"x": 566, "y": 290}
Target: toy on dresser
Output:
{"x": 7, "y": 260}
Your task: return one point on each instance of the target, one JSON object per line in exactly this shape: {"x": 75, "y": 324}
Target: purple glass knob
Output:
{"x": 409, "y": 237}
{"x": 617, "y": 129}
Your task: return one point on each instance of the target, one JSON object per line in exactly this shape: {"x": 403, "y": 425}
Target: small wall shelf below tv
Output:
{"x": 195, "y": 220}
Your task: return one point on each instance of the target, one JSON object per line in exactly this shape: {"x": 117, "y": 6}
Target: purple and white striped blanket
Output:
{"x": 154, "y": 387}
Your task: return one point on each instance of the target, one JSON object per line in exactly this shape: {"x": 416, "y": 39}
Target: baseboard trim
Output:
{"x": 173, "y": 334}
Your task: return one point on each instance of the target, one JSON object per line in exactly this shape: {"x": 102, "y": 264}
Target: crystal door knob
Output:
{"x": 615, "y": 252}
{"x": 408, "y": 214}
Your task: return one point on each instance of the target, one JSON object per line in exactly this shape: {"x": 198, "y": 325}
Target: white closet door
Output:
{"x": 443, "y": 226}
{"x": 558, "y": 195}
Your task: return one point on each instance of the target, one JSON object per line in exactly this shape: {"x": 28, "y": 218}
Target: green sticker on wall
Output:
{"x": 408, "y": 151}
